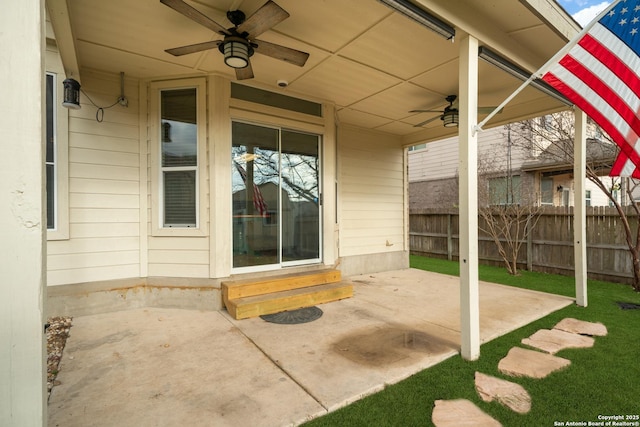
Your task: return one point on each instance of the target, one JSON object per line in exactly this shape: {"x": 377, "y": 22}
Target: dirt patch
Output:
{"x": 57, "y": 331}
{"x": 388, "y": 345}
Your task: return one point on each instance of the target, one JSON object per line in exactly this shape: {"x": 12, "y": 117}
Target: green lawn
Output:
{"x": 603, "y": 380}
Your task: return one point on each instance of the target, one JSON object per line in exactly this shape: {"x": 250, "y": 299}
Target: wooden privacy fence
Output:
{"x": 547, "y": 248}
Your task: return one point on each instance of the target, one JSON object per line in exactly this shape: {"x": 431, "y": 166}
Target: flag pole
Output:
{"x": 542, "y": 70}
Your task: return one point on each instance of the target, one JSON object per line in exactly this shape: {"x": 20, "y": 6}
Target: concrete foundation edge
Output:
{"x": 82, "y": 299}
{"x": 373, "y": 263}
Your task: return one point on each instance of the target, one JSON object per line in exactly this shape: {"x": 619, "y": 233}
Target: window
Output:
{"x": 178, "y": 157}
{"x": 546, "y": 191}
{"x": 417, "y": 147}
{"x": 278, "y": 100}
{"x": 50, "y": 151}
{"x": 56, "y": 148}
{"x": 504, "y": 190}
{"x": 587, "y": 196}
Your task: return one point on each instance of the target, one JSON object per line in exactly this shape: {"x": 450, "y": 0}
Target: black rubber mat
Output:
{"x": 294, "y": 317}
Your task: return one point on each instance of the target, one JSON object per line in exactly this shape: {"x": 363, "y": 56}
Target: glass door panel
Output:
{"x": 300, "y": 196}
{"x": 276, "y": 213}
{"x": 255, "y": 181}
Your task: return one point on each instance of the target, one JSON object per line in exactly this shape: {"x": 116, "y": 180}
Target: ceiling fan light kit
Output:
{"x": 450, "y": 118}
{"x": 236, "y": 52}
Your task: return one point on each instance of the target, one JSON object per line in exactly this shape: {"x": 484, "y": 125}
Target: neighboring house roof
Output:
{"x": 559, "y": 156}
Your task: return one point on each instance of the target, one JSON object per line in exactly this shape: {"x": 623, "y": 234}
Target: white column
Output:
{"x": 220, "y": 209}
{"x": 468, "y": 176}
{"x": 22, "y": 218}
{"x": 579, "y": 211}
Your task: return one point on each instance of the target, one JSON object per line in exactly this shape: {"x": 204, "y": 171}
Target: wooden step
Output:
{"x": 264, "y": 285}
{"x": 276, "y": 302}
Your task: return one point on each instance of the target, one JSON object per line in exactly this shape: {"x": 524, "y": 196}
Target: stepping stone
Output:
{"x": 460, "y": 412}
{"x": 529, "y": 363}
{"x": 582, "y": 327}
{"x": 554, "y": 340}
{"x": 509, "y": 394}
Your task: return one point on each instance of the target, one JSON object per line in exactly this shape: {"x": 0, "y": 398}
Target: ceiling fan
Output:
{"x": 239, "y": 42}
{"x": 449, "y": 115}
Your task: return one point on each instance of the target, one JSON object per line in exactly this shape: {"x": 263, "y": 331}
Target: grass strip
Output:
{"x": 603, "y": 380}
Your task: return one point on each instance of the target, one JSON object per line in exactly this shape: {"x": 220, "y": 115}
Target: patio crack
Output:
{"x": 282, "y": 369}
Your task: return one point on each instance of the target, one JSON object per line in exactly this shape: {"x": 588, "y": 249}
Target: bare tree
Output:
{"x": 507, "y": 213}
{"x": 552, "y": 139}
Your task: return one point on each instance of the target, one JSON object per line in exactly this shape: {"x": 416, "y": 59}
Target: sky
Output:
{"x": 583, "y": 11}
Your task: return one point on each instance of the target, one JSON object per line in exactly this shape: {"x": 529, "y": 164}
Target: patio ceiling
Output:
{"x": 373, "y": 63}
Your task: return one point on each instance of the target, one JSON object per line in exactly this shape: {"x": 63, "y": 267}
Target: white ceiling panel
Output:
{"x": 374, "y": 64}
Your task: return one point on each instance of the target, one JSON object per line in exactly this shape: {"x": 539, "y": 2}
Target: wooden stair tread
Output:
{"x": 275, "y": 302}
{"x": 257, "y": 286}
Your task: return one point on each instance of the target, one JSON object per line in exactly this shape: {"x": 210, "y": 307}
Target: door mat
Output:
{"x": 628, "y": 305}
{"x": 294, "y": 317}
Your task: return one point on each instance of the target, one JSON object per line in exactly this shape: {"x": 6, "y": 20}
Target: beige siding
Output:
{"x": 439, "y": 159}
{"x": 372, "y": 192}
{"x": 104, "y": 175}
{"x": 179, "y": 256}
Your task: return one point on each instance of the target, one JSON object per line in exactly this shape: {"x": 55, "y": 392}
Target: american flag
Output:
{"x": 258, "y": 200}
{"x": 599, "y": 74}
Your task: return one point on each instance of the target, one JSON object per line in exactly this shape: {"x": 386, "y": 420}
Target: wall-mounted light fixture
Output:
{"x": 72, "y": 91}
{"x": 559, "y": 188}
{"x": 421, "y": 16}
{"x": 519, "y": 73}
{"x": 71, "y": 94}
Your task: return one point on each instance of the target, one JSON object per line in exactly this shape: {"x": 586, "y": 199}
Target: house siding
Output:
{"x": 103, "y": 169}
{"x": 439, "y": 159}
{"x": 178, "y": 252}
{"x": 372, "y": 193}
{"x": 111, "y": 206}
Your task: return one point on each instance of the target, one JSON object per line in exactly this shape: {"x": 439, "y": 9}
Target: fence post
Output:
{"x": 529, "y": 233}
{"x": 449, "y": 237}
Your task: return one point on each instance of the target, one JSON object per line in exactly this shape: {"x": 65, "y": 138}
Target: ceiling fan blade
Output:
{"x": 264, "y": 18}
{"x": 425, "y": 111}
{"x": 195, "y": 15}
{"x": 193, "y": 48}
{"x": 427, "y": 121}
{"x": 292, "y": 56}
{"x": 244, "y": 73}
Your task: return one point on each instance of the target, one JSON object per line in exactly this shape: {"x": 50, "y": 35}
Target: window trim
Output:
{"x": 155, "y": 137}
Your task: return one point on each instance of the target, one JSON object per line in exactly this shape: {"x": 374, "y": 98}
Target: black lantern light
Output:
{"x": 450, "y": 117}
{"x": 236, "y": 52}
{"x": 71, "y": 94}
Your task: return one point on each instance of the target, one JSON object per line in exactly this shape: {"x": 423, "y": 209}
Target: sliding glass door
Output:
{"x": 276, "y": 196}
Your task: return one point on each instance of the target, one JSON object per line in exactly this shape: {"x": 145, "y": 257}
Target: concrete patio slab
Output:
{"x": 170, "y": 367}
{"x": 178, "y": 367}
